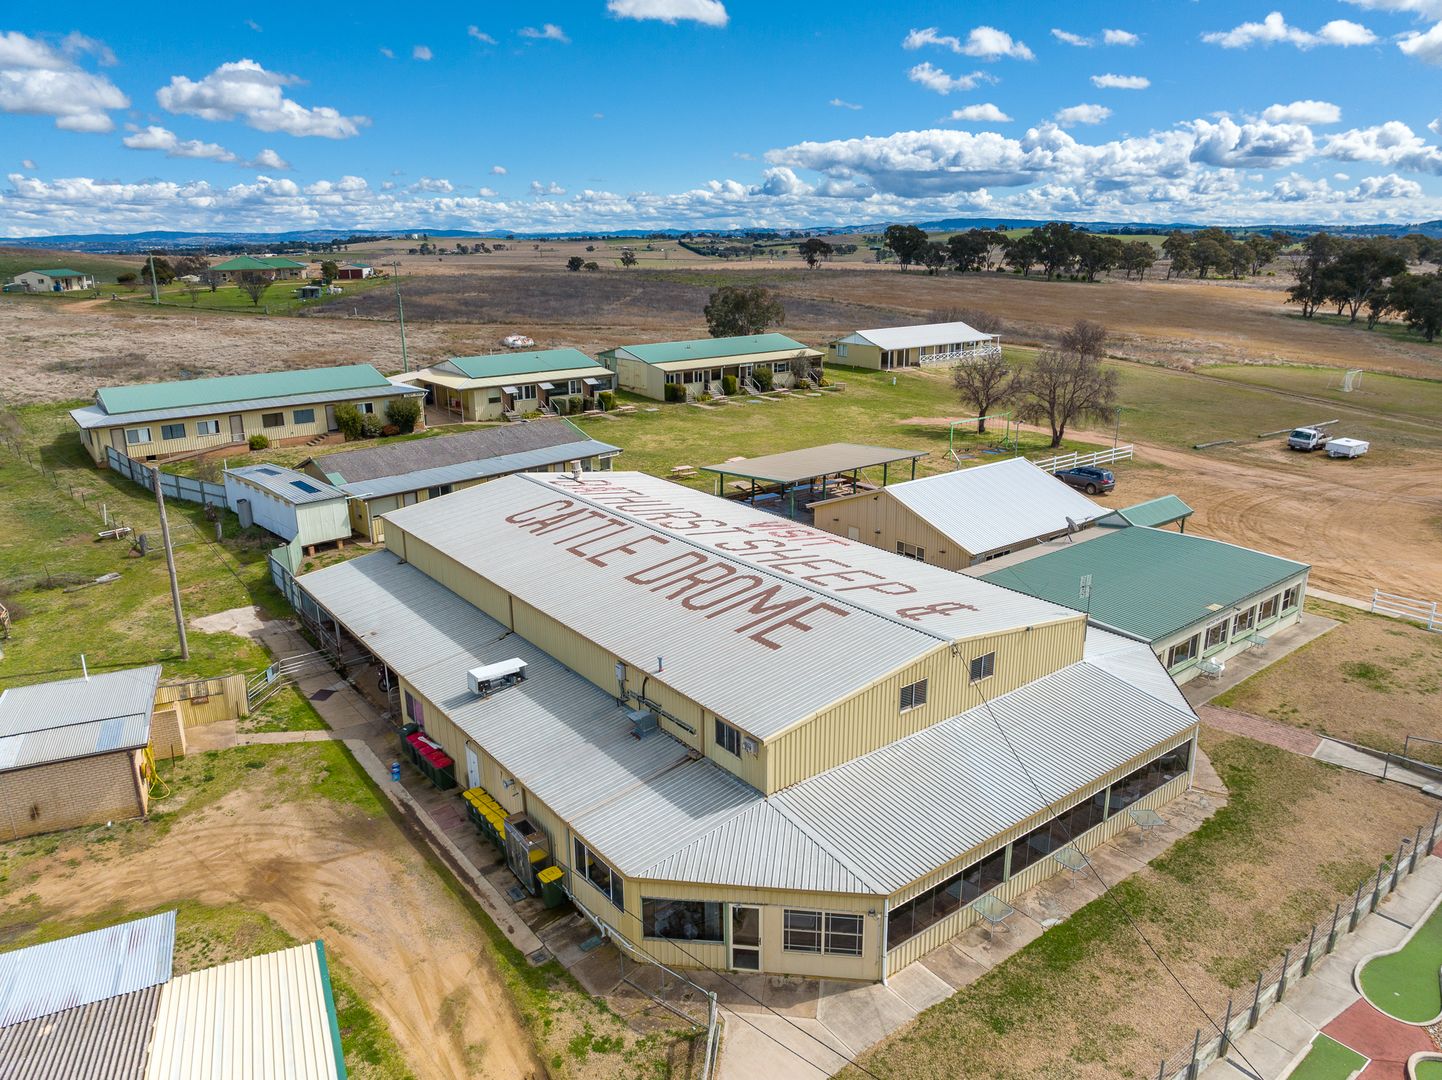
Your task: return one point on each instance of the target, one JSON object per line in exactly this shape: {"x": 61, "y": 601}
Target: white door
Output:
{"x": 473, "y": 767}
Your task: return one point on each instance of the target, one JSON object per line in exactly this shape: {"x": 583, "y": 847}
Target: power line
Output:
{"x": 1107, "y": 891}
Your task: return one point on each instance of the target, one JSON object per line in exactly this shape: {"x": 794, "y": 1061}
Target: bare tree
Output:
{"x": 1069, "y": 383}
{"x": 254, "y": 286}
{"x": 193, "y": 289}
{"x": 984, "y": 384}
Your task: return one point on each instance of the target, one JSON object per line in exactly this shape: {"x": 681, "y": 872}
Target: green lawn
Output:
{"x": 1430, "y": 1069}
{"x": 103, "y": 268}
{"x": 279, "y": 299}
{"x": 1405, "y": 984}
{"x": 1328, "y": 1060}
{"x": 1394, "y": 330}
{"x": 1394, "y": 394}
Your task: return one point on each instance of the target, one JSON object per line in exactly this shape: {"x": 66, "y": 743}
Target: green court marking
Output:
{"x": 1328, "y": 1060}
{"x": 1405, "y": 984}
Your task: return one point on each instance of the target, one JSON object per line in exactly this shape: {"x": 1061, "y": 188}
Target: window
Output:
{"x": 841, "y": 348}
{"x": 1152, "y": 775}
{"x": 137, "y": 435}
{"x": 207, "y": 427}
{"x": 494, "y": 399}
{"x": 1183, "y": 651}
{"x": 305, "y": 486}
{"x": 681, "y": 920}
{"x": 526, "y": 393}
{"x": 438, "y": 491}
{"x": 599, "y": 875}
{"x": 995, "y": 555}
{"x": 821, "y": 932}
{"x": 1290, "y": 597}
{"x": 913, "y": 695}
{"x": 983, "y": 667}
{"x": 728, "y": 738}
{"x": 911, "y": 551}
{"x": 1082, "y": 817}
{"x": 781, "y": 367}
{"x": 172, "y": 431}
{"x": 369, "y": 406}
{"x": 1268, "y": 608}
{"x": 911, "y": 918}
{"x": 1216, "y": 634}
{"x": 1245, "y": 620}
{"x": 414, "y": 710}
{"x": 303, "y": 416}
{"x": 272, "y": 419}
{"x": 1032, "y": 847}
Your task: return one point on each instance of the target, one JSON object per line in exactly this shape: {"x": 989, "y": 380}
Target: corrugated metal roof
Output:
{"x": 105, "y": 1040}
{"x": 1133, "y": 662}
{"x": 796, "y": 465}
{"x": 501, "y": 365}
{"x": 670, "y": 352}
{"x": 59, "y": 273}
{"x": 1149, "y": 582}
{"x": 903, "y": 810}
{"x": 93, "y": 416}
{"x": 58, "y": 721}
{"x": 863, "y": 613}
{"x": 250, "y": 262}
{"x": 234, "y": 389}
{"x": 42, "y": 979}
{"x": 916, "y": 337}
{"x": 994, "y": 506}
{"x": 117, "y": 734}
{"x": 543, "y": 458}
{"x": 288, "y": 485}
{"x": 270, "y": 1017}
{"x": 1157, "y": 512}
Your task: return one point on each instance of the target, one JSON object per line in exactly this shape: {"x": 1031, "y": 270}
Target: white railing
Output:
{"x": 970, "y": 352}
{"x": 1425, "y": 612}
{"x": 1075, "y": 460}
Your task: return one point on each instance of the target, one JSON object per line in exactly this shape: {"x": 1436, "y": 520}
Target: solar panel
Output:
{"x": 309, "y": 489}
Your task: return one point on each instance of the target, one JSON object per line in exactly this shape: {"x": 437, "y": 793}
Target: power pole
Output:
{"x": 154, "y": 285}
{"x": 170, "y": 563}
{"x": 401, "y": 311}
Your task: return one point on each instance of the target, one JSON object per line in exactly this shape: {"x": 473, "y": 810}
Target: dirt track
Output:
{"x": 319, "y": 871}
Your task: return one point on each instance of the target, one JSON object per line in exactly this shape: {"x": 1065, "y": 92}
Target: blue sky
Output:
{"x": 715, "y": 113}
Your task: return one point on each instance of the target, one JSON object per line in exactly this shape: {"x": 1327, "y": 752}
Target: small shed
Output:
{"x": 1154, "y": 513}
{"x": 72, "y": 752}
{"x": 309, "y": 292}
{"x": 354, "y": 271}
{"x": 290, "y": 504}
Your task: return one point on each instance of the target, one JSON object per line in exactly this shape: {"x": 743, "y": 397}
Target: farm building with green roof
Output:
{"x": 702, "y": 365}
{"x": 274, "y": 267}
{"x": 46, "y": 281}
{"x": 509, "y": 385}
{"x": 1196, "y": 601}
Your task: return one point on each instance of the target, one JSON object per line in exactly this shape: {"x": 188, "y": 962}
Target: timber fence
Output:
{"x": 1187, "y": 1062}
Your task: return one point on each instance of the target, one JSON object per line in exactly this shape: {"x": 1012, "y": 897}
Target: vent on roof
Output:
{"x": 643, "y": 722}
{"x": 484, "y": 681}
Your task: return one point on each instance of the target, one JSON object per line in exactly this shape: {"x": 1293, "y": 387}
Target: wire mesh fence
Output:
{"x": 1186, "y": 1061}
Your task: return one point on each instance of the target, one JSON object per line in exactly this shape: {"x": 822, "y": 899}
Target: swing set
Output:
{"x": 1009, "y": 441}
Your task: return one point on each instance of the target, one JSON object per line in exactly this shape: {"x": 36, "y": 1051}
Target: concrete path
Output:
{"x": 1327, "y": 1001}
{"x": 1200, "y": 690}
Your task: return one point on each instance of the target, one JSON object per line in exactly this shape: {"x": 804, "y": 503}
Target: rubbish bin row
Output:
{"x": 434, "y": 763}
{"x": 486, "y": 814}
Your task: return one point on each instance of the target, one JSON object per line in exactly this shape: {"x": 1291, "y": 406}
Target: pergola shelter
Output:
{"x": 777, "y": 478}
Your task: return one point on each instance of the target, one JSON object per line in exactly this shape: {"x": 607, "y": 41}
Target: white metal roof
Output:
{"x": 994, "y": 506}
{"x": 288, "y": 485}
{"x": 845, "y": 611}
{"x": 915, "y": 337}
{"x": 1134, "y": 662}
{"x": 85, "y": 968}
{"x": 270, "y": 1017}
{"x": 104, "y": 1040}
{"x": 70, "y": 718}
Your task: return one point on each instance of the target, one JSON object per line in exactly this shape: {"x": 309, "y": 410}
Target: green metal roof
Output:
{"x": 1156, "y": 512}
{"x": 669, "y": 352}
{"x": 1146, "y": 581}
{"x": 238, "y": 388}
{"x": 499, "y": 365}
{"x": 60, "y": 273}
{"x": 250, "y": 262}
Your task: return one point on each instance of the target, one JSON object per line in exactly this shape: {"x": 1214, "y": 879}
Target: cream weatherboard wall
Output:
{"x": 484, "y": 399}
{"x": 1235, "y": 641}
{"x": 847, "y": 354}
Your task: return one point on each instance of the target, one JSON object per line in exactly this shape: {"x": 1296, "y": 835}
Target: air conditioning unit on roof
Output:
{"x": 491, "y": 677}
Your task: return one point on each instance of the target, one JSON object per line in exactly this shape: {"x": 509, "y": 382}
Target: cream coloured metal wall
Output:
{"x": 881, "y": 521}
{"x": 857, "y": 356}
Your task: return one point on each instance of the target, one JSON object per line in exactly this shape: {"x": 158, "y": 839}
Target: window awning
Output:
{"x": 592, "y": 382}
{"x": 508, "y": 390}
{"x": 546, "y": 386}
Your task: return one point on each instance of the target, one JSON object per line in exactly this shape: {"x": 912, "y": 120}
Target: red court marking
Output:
{"x": 1389, "y": 1043}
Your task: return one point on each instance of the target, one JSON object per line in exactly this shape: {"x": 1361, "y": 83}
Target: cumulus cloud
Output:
{"x": 547, "y": 32}
{"x": 421, "y": 52}
{"x": 1425, "y": 46}
{"x": 1120, "y": 37}
{"x": 1082, "y": 114}
{"x": 498, "y": 170}
{"x": 155, "y": 137}
{"x": 1257, "y": 144}
{"x": 244, "y": 90}
{"x": 551, "y": 189}
{"x": 1392, "y": 144}
{"x": 1067, "y": 37}
{"x": 986, "y": 113}
{"x": 269, "y": 159}
{"x": 986, "y": 42}
{"x": 433, "y": 184}
{"x": 781, "y": 181}
{"x": 480, "y": 35}
{"x": 28, "y": 164}
{"x": 934, "y": 78}
{"x": 1275, "y": 29}
{"x": 389, "y": 54}
{"x": 706, "y": 12}
{"x": 39, "y": 79}
{"x": 1308, "y": 111}
{"x": 838, "y": 103}
{"x": 1121, "y": 82}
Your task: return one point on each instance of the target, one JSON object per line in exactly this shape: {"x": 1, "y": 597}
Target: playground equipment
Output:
{"x": 1011, "y": 432}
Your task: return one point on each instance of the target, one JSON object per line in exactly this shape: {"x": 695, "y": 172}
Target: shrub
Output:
{"x": 705, "y": 395}
{"x": 592, "y": 265}
{"x": 348, "y": 420}
{"x": 390, "y": 429}
{"x": 728, "y": 384}
{"x": 404, "y": 414}
{"x": 371, "y": 426}
{"x": 675, "y": 392}
{"x": 607, "y": 399}
{"x": 764, "y": 378}
{"x": 259, "y": 442}
{"x": 127, "y": 278}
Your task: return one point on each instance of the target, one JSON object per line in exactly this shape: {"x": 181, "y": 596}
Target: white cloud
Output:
{"x": 706, "y": 12}
{"x": 480, "y": 35}
{"x": 486, "y": 193}
{"x": 1308, "y": 111}
{"x": 934, "y": 78}
{"x": 838, "y": 103}
{"x": 28, "y": 164}
{"x": 987, "y": 113}
{"x": 598, "y": 116}
{"x": 389, "y": 54}
{"x": 498, "y": 170}
{"x": 433, "y": 184}
{"x": 268, "y": 159}
{"x": 1274, "y": 29}
{"x": 1431, "y": 9}
{"x": 1120, "y": 37}
{"x": 244, "y": 90}
{"x": 253, "y": 25}
{"x": 986, "y": 42}
{"x": 159, "y": 138}
{"x": 1425, "y": 46}
{"x": 1257, "y": 144}
{"x": 37, "y": 79}
{"x": 1121, "y": 82}
{"x": 422, "y": 52}
{"x": 1067, "y": 37}
{"x": 551, "y": 189}
{"x": 1082, "y": 114}
{"x": 547, "y": 32}
{"x": 781, "y": 181}
{"x": 1390, "y": 186}
{"x": 1393, "y": 144}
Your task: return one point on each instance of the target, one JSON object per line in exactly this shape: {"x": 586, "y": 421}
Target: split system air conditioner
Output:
{"x": 488, "y": 679}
